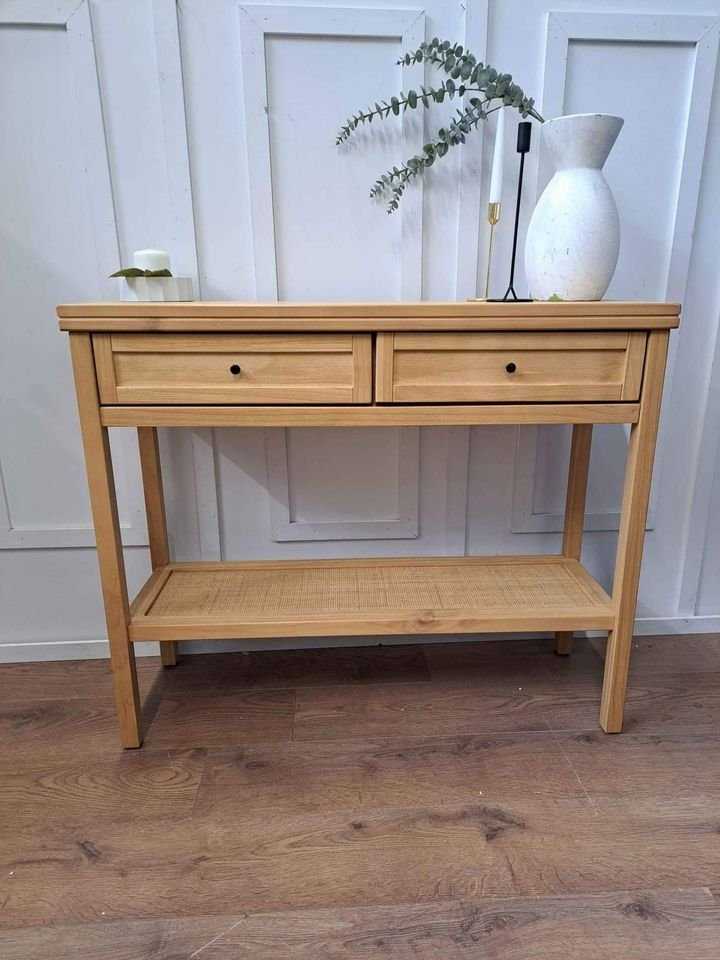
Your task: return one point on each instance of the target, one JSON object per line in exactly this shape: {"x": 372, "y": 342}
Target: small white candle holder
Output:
{"x": 154, "y": 289}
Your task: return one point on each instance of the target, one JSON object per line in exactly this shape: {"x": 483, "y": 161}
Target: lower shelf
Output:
{"x": 206, "y": 601}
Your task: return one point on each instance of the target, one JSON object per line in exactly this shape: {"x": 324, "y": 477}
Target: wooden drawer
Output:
{"x": 489, "y": 367}
{"x": 233, "y": 368}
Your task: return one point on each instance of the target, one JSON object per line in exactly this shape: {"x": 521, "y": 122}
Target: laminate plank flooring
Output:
{"x": 649, "y": 923}
{"x": 425, "y": 801}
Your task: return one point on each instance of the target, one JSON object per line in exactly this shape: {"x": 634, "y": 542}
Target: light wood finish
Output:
{"x": 108, "y": 540}
{"x": 362, "y": 368}
{"x": 575, "y": 509}
{"x": 229, "y": 317}
{"x": 384, "y": 351}
{"x": 155, "y": 512}
{"x": 105, "y": 367}
{"x": 314, "y": 365}
{"x": 635, "y": 361}
{"x": 293, "y": 368}
{"x": 371, "y": 415}
{"x": 636, "y": 497}
{"x": 206, "y": 322}
{"x": 355, "y": 597}
{"x": 495, "y": 367}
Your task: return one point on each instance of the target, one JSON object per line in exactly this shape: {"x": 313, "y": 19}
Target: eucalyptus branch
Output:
{"x": 394, "y": 181}
{"x": 465, "y": 75}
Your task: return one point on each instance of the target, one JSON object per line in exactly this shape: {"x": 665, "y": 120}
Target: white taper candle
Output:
{"x": 496, "y": 179}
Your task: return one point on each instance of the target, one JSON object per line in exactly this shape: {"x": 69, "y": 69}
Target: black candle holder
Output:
{"x": 523, "y": 146}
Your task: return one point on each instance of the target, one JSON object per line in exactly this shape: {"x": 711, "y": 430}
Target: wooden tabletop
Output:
{"x": 231, "y": 317}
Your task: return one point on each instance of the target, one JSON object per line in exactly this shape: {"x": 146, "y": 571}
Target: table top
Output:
{"x": 235, "y": 317}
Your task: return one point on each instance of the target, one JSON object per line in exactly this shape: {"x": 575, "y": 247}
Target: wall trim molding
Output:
{"x": 258, "y": 20}
{"x": 707, "y": 469}
{"x": 284, "y": 528}
{"x": 524, "y": 518}
{"x": 473, "y": 231}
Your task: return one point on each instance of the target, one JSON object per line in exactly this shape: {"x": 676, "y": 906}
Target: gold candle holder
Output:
{"x": 493, "y": 215}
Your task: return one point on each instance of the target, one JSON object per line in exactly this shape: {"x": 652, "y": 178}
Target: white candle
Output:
{"x": 496, "y": 180}
{"x": 151, "y": 260}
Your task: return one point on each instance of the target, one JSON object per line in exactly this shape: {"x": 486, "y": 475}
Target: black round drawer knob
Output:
{"x": 510, "y": 367}
{"x": 235, "y": 369}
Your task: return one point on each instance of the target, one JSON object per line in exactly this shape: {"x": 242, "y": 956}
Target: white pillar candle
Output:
{"x": 151, "y": 260}
{"x": 496, "y": 179}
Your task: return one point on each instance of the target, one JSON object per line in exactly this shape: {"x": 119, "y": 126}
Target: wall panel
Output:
{"x": 654, "y": 170}
{"x": 58, "y": 241}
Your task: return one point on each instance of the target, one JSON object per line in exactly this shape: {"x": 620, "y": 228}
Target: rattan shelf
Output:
{"x": 349, "y": 597}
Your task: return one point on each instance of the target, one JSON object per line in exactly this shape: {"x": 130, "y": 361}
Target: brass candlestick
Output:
{"x": 493, "y": 215}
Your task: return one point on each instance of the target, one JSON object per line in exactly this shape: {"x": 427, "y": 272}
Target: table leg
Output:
{"x": 155, "y": 512}
{"x": 575, "y": 510}
{"x": 636, "y": 496}
{"x": 101, "y": 484}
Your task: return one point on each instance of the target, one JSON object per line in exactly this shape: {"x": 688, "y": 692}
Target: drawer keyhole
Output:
{"x": 510, "y": 367}
{"x": 235, "y": 369}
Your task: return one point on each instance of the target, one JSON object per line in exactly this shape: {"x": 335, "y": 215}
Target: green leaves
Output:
{"x": 392, "y": 184}
{"x": 411, "y": 100}
{"x": 137, "y": 272}
{"x": 465, "y": 74}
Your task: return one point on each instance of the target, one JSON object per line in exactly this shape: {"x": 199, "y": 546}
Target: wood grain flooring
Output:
{"x": 435, "y": 802}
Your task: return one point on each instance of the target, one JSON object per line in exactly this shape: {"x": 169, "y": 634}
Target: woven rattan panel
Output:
{"x": 282, "y": 592}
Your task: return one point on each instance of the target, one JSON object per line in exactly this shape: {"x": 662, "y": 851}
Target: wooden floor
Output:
{"x": 430, "y": 802}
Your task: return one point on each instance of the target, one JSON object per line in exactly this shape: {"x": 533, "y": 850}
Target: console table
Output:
{"x": 147, "y": 365}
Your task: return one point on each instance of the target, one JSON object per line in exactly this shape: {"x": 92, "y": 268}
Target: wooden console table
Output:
{"x": 147, "y": 365}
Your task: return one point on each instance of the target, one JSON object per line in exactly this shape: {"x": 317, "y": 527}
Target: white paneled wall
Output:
{"x": 207, "y": 127}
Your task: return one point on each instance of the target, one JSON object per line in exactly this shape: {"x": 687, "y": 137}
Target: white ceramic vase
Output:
{"x": 573, "y": 239}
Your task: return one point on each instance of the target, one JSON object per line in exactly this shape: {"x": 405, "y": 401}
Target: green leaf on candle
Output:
{"x": 137, "y": 272}
{"x": 128, "y": 272}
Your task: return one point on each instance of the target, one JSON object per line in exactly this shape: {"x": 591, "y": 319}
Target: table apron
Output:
{"x": 392, "y": 415}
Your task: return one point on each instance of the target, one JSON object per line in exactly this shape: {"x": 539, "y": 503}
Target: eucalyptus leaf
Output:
{"x": 137, "y": 272}
{"x": 128, "y": 272}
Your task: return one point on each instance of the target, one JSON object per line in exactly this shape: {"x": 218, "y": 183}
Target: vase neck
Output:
{"x": 582, "y": 140}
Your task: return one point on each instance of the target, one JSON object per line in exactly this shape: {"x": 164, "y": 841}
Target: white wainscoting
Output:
{"x": 207, "y": 127}
{"x": 49, "y": 57}
{"x": 657, "y": 221}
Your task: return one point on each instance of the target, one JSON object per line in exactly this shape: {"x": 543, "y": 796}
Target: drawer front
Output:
{"x": 490, "y": 367}
{"x": 233, "y": 368}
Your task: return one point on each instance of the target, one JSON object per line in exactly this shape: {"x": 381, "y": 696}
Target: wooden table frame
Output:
{"x": 617, "y": 615}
